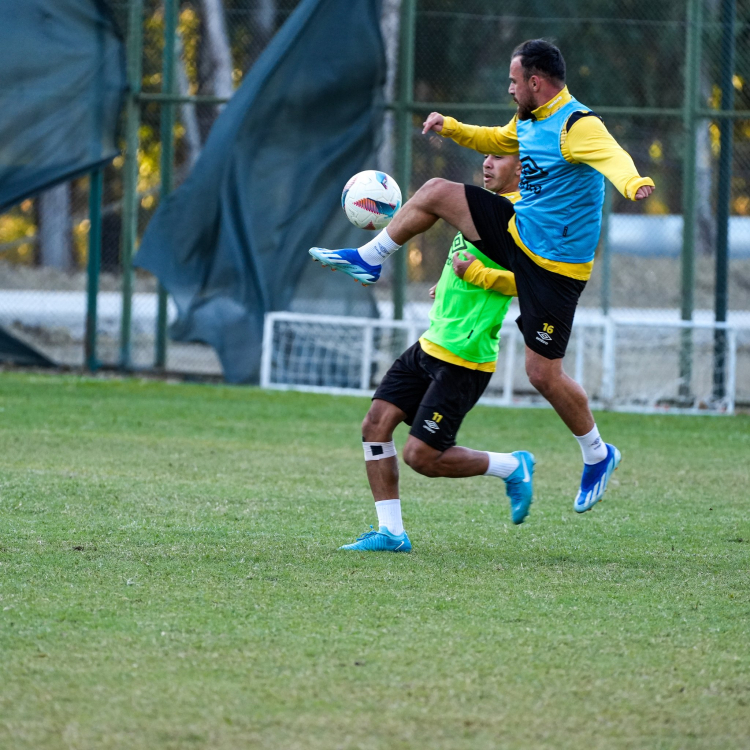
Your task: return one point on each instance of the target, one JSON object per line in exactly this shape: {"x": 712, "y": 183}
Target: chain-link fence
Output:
{"x": 44, "y": 241}
{"x": 671, "y": 81}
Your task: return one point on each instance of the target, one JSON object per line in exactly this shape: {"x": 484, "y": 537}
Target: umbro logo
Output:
{"x": 459, "y": 243}
{"x": 531, "y": 170}
{"x": 530, "y": 173}
{"x": 431, "y": 426}
{"x": 544, "y": 336}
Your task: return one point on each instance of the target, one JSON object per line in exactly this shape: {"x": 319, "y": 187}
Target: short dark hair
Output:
{"x": 540, "y": 58}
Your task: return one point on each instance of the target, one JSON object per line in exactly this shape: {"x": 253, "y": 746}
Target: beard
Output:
{"x": 525, "y": 109}
{"x": 524, "y": 112}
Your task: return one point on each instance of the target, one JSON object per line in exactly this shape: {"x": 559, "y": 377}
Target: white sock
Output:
{"x": 377, "y": 250}
{"x": 501, "y": 465}
{"x": 592, "y": 447}
{"x": 389, "y": 515}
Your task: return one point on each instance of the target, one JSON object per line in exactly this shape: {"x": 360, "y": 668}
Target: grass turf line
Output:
{"x": 170, "y": 579}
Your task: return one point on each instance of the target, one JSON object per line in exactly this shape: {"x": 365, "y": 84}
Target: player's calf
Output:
{"x": 381, "y": 462}
{"x": 515, "y": 469}
{"x": 422, "y": 458}
{"x": 382, "y": 473}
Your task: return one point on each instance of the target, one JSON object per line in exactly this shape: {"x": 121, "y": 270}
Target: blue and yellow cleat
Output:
{"x": 380, "y": 541}
{"x": 594, "y": 480}
{"x": 348, "y": 261}
{"x": 519, "y": 486}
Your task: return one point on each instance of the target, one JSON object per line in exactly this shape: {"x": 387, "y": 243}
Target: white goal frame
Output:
{"x": 511, "y": 337}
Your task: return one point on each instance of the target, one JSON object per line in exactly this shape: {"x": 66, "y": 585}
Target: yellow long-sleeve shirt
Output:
{"x": 587, "y": 142}
{"x": 492, "y": 279}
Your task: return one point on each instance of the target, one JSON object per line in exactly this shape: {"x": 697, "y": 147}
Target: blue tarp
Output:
{"x": 61, "y": 89}
{"x": 231, "y": 242}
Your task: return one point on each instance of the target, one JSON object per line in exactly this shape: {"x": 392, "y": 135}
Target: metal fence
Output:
{"x": 670, "y": 79}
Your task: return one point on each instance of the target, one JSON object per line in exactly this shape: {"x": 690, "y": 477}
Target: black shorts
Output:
{"x": 435, "y": 395}
{"x": 547, "y": 300}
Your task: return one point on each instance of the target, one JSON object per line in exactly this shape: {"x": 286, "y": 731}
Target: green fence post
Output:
{"x": 692, "y": 73}
{"x": 726, "y": 128}
{"x": 403, "y": 154}
{"x": 130, "y": 186}
{"x": 96, "y": 186}
{"x": 167, "y": 159}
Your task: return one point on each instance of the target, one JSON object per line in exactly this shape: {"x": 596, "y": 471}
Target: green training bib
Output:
{"x": 466, "y": 319}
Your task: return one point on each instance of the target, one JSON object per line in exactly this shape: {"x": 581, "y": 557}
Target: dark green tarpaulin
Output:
{"x": 231, "y": 243}
{"x": 61, "y": 87}
{"x": 16, "y": 352}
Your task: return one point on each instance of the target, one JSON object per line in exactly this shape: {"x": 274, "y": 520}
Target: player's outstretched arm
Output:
{"x": 589, "y": 142}
{"x": 500, "y": 141}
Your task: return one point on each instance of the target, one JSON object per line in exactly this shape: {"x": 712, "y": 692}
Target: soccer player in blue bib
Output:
{"x": 548, "y": 240}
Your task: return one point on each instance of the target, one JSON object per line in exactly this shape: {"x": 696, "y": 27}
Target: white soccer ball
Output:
{"x": 371, "y": 199}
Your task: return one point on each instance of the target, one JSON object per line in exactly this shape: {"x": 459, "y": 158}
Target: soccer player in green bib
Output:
{"x": 437, "y": 381}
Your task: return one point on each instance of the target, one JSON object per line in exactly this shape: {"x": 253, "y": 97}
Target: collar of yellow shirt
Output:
{"x": 558, "y": 101}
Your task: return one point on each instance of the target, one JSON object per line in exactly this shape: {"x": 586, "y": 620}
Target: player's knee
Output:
{"x": 420, "y": 460}
{"x": 370, "y": 425}
{"x": 541, "y": 378}
{"x": 536, "y": 378}
{"x": 375, "y": 427}
{"x": 432, "y": 191}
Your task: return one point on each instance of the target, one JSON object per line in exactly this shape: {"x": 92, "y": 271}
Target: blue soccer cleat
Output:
{"x": 519, "y": 486}
{"x": 380, "y": 541}
{"x": 594, "y": 480}
{"x": 348, "y": 261}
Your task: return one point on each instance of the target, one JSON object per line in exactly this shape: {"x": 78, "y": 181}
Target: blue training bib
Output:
{"x": 559, "y": 215}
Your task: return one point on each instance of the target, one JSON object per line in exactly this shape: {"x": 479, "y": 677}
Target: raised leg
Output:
{"x": 571, "y": 403}
{"x": 436, "y": 199}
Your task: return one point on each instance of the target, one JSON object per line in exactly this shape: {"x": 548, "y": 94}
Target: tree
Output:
{"x": 390, "y": 25}
{"x": 55, "y": 227}
{"x": 215, "y": 62}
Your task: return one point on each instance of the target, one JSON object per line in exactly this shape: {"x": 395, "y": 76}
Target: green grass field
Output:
{"x": 169, "y": 579}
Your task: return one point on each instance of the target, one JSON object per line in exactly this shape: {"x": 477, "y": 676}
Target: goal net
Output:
{"x": 625, "y": 363}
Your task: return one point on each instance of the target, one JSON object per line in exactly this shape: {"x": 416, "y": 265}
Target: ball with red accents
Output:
{"x": 371, "y": 199}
